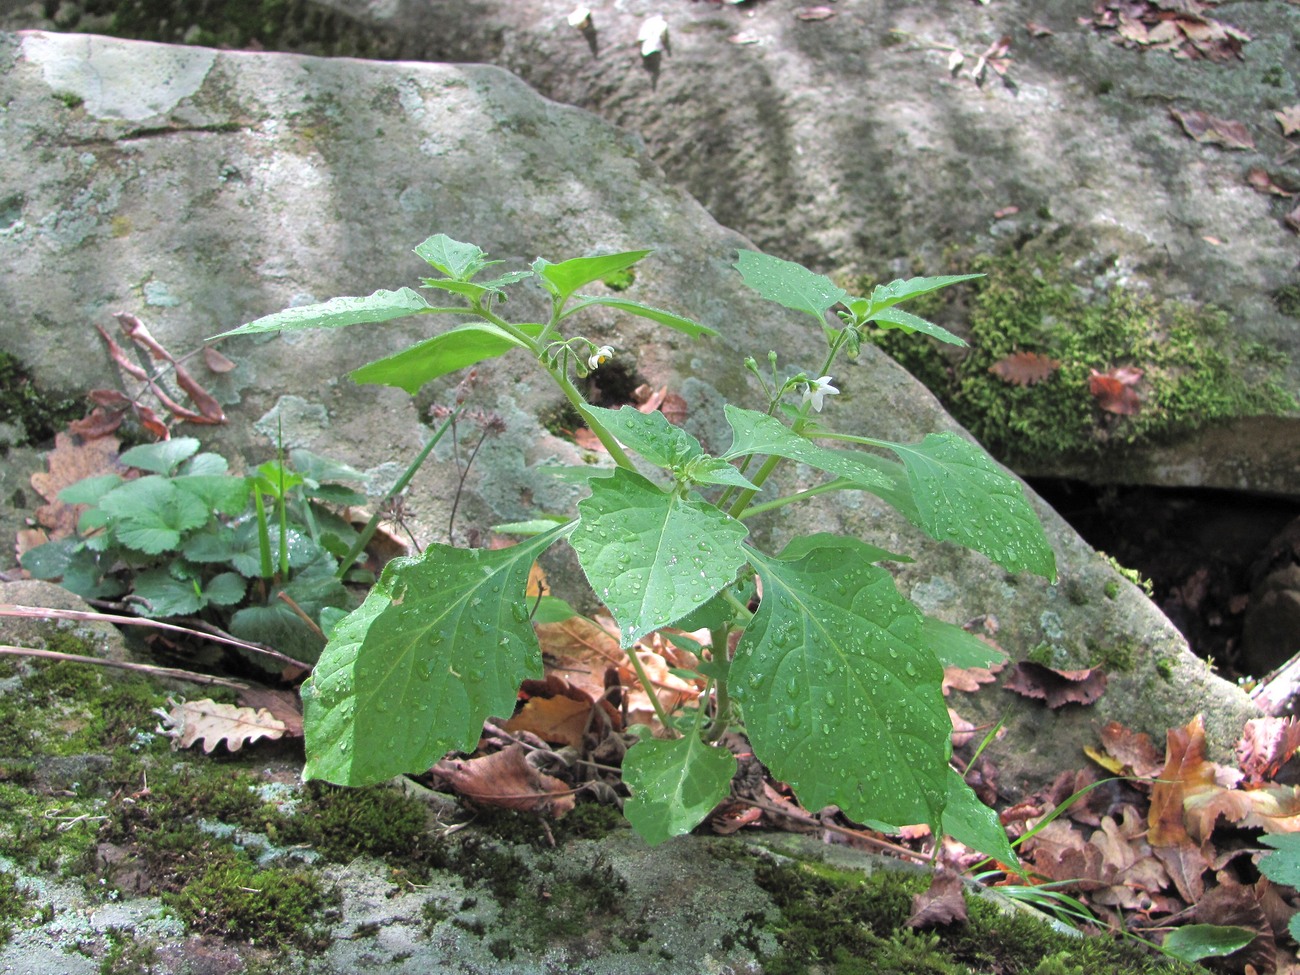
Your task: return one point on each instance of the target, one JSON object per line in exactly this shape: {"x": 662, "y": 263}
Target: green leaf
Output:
{"x": 317, "y": 469}
{"x": 439, "y": 645}
{"x": 534, "y": 526}
{"x": 1282, "y": 867}
{"x": 956, "y": 648}
{"x": 565, "y": 278}
{"x": 275, "y": 479}
{"x": 801, "y": 545}
{"x": 51, "y": 560}
{"x": 674, "y": 784}
{"x": 969, "y": 821}
{"x": 650, "y": 435}
{"x": 962, "y": 496}
{"x": 218, "y": 492}
{"x": 840, "y": 695}
{"x": 164, "y": 595}
{"x": 551, "y": 609}
{"x": 1192, "y": 942}
{"x": 896, "y": 318}
{"x": 338, "y": 312}
{"x": 651, "y": 557}
{"x": 89, "y": 489}
{"x": 225, "y": 589}
{"x": 151, "y": 514}
{"x": 445, "y": 353}
{"x": 685, "y": 325}
{"x": 206, "y": 465}
{"x": 758, "y": 433}
{"x": 162, "y": 457}
{"x": 712, "y": 470}
{"x": 789, "y": 284}
{"x": 216, "y": 543}
{"x": 453, "y": 258}
{"x": 1293, "y": 926}
{"x": 885, "y": 295}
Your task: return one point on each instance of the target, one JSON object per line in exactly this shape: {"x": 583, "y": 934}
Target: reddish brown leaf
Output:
{"x": 506, "y": 779}
{"x": 968, "y": 679}
{"x": 1005, "y": 212}
{"x": 1135, "y": 750}
{"x": 1261, "y": 181}
{"x": 814, "y": 13}
{"x": 1056, "y": 687}
{"x": 1114, "y": 391}
{"x": 71, "y": 460}
{"x": 1265, "y": 746}
{"x": 557, "y": 720}
{"x": 215, "y": 361}
{"x": 1204, "y": 127}
{"x": 1186, "y": 771}
{"x": 1038, "y": 30}
{"x": 1186, "y": 864}
{"x": 941, "y": 904}
{"x": 99, "y": 422}
{"x": 732, "y": 816}
{"x": 1024, "y": 368}
{"x": 962, "y": 730}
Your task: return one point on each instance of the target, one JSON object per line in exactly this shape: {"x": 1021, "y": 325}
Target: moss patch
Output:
{"x": 13, "y": 904}
{"x": 37, "y": 413}
{"x": 841, "y": 922}
{"x": 1195, "y": 371}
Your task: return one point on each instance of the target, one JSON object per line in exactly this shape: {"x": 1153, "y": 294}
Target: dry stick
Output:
{"x": 41, "y": 612}
{"x": 301, "y": 615}
{"x": 186, "y": 675}
{"x": 808, "y": 820}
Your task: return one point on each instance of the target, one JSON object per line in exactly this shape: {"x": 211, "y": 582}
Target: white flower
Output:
{"x": 600, "y": 357}
{"x": 653, "y": 35}
{"x": 817, "y": 391}
{"x": 580, "y": 17}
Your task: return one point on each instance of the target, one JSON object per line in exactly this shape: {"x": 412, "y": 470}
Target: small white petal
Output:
{"x": 580, "y": 18}
{"x": 652, "y": 35}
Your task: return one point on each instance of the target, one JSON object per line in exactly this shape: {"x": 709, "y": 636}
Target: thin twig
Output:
{"x": 807, "y": 820}
{"x": 186, "y": 675}
{"x": 298, "y": 610}
{"x": 43, "y": 612}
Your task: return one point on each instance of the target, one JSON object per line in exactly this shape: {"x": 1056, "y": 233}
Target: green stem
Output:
{"x": 606, "y": 439}
{"x": 718, "y": 640}
{"x": 840, "y": 484}
{"x": 263, "y": 535}
{"x": 757, "y": 480}
{"x": 372, "y": 525}
{"x": 648, "y": 686}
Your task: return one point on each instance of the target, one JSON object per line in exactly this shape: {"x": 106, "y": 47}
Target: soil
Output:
{"x": 1203, "y": 551}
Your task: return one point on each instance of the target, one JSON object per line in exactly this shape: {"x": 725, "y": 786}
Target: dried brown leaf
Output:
{"x": 1056, "y": 687}
{"x": 1204, "y": 127}
{"x": 211, "y": 723}
{"x": 215, "y": 361}
{"x": 1262, "y": 182}
{"x": 941, "y": 904}
{"x": 1024, "y": 368}
{"x": 284, "y": 706}
{"x": 557, "y": 720}
{"x": 71, "y": 460}
{"x": 1114, "y": 391}
{"x": 814, "y": 13}
{"x": 506, "y": 779}
{"x": 968, "y": 679}
{"x": 1265, "y": 746}
{"x": 1136, "y": 751}
{"x": 1232, "y": 905}
{"x": 1289, "y": 119}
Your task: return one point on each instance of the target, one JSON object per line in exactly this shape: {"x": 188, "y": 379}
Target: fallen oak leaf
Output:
{"x": 71, "y": 460}
{"x": 284, "y": 706}
{"x": 207, "y": 721}
{"x": 1024, "y": 368}
{"x": 1056, "y": 687}
{"x": 1205, "y": 128}
{"x": 506, "y": 779}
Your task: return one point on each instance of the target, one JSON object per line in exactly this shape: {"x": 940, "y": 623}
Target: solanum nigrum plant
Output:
{"x": 836, "y": 677}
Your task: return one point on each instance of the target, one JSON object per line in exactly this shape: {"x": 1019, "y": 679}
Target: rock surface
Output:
{"x": 201, "y": 189}
{"x": 845, "y": 142}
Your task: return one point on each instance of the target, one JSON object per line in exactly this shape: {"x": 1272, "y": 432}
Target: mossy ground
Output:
{"x": 840, "y": 922}
{"x": 1195, "y": 371}
{"x": 38, "y": 414}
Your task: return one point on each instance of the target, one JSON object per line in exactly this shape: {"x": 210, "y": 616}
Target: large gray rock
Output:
{"x": 847, "y": 144}
{"x": 201, "y": 189}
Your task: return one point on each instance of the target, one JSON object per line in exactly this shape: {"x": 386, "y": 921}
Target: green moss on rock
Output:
{"x": 1194, "y": 371}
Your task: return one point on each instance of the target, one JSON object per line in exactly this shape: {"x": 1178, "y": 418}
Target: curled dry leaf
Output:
{"x": 1131, "y": 753}
{"x": 211, "y": 723}
{"x": 1024, "y": 368}
{"x": 1056, "y": 687}
{"x": 1265, "y": 746}
{"x": 962, "y": 730}
{"x": 941, "y": 904}
{"x": 1114, "y": 391}
{"x": 506, "y": 779}
{"x": 1204, "y": 127}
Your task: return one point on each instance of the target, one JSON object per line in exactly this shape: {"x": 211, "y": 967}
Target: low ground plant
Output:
{"x": 835, "y": 677}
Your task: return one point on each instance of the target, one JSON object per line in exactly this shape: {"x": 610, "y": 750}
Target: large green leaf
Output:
{"x": 885, "y": 295}
{"x": 667, "y": 446}
{"x": 151, "y": 514}
{"x": 969, "y": 821}
{"x": 1192, "y": 942}
{"x": 162, "y": 457}
{"x": 685, "y": 325}
{"x": 789, "y": 284}
{"x": 219, "y": 492}
{"x": 840, "y": 695}
{"x": 891, "y": 318}
{"x": 337, "y": 312}
{"x": 674, "y": 784}
{"x": 440, "y": 644}
{"x": 453, "y": 258}
{"x": 1282, "y": 867}
{"x": 445, "y": 353}
{"x": 956, "y": 648}
{"x": 962, "y": 496}
{"x": 653, "y": 556}
{"x": 758, "y": 433}
{"x": 565, "y": 278}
